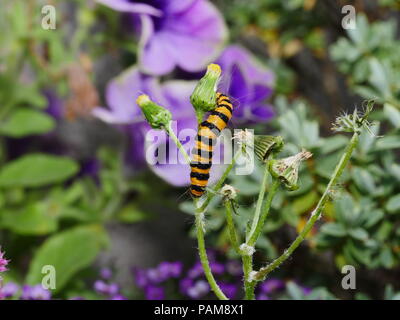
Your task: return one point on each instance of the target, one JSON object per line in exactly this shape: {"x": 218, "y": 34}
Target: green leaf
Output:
{"x": 364, "y": 180}
{"x": 25, "y": 122}
{"x": 392, "y": 114}
{"x": 37, "y": 170}
{"x": 334, "y": 229}
{"x": 68, "y": 252}
{"x": 33, "y": 219}
{"x": 387, "y": 142}
{"x": 359, "y": 234}
{"x": 305, "y": 202}
{"x": 386, "y": 257}
{"x": 132, "y": 214}
{"x": 294, "y": 291}
{"x": 393, "y": 205}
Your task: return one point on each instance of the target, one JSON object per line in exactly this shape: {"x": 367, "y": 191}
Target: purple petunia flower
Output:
{"x": 36, "y": 292}
{"x": 272, "y": 285}
{"x": 248, "y": 83}
{"x": 184, "y": 33}
{"x": 154, "y": 293}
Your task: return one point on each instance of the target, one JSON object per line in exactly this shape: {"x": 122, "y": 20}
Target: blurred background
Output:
{"x": 75, "y": 189}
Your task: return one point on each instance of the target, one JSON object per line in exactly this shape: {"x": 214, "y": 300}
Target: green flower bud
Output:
{"x": 157, "y": 116}
{"x": 204, "y": 95}
{"x": 265, "y": 145}
{"x": 287, "y": 169}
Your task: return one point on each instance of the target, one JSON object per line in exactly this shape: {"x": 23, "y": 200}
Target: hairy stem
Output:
{"x": 260, "y": 201}
{"x": 247, "y": 261}
{"x": 231, "y": 226}
{"x": 260, "y": 223}
{"x": 203, "y": 254}
{"x": 174, "y": 138}
{"x": 263, "y": 272}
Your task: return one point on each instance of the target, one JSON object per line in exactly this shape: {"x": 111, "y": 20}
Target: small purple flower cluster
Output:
{"x": 12, "y": 290}
{"x": 106, "y": 288}
{"x": 191, "y": 284}
{"x": 151, "y": 280}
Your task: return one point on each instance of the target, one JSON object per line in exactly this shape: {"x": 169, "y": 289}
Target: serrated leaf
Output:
{"x": 37, "y": 170}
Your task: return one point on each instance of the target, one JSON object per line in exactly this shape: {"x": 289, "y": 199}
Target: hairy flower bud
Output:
{"x": 204, "y": 95}
{"x": 157, "y": 116}
{"x": 287, "y": 169}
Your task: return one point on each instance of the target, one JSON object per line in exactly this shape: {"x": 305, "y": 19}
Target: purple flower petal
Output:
{"x": 125, "y": 6}
{"x": 9, "y": 290}
{"x": 229, "y": 289}
{"x": 36, "y": 292}
{"x": 189, "y": 35}
{"x": 199, "y": 289}
{"x": 154, "y": 293}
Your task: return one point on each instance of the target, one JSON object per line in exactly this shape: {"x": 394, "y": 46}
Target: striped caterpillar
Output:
{"x": 206, "y": 139}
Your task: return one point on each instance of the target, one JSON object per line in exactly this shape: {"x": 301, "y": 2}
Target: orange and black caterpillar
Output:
{"x": 206, "y": 139}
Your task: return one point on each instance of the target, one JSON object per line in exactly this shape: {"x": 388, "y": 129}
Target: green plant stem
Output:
{"x": 247, "y": 268}
{"x": 203, "y": 254}
{"x": 218, "y": 186}
{"x": 260, "y": 223}
{"x": 174, "y": 138}
{"x": 260, "y": 201}
{"x": 263, "y": 272}
{"x": 231, "y": 226}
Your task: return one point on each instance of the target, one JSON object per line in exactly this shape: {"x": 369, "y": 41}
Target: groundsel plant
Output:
{"x": 284, "y": 174}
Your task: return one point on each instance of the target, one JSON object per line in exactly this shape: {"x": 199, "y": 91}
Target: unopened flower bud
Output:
{"x": 287, "y": 169}
{"x": 204, "y": 95}
{"x": 265, "y": 145}
{"x": 157, "y": 116}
